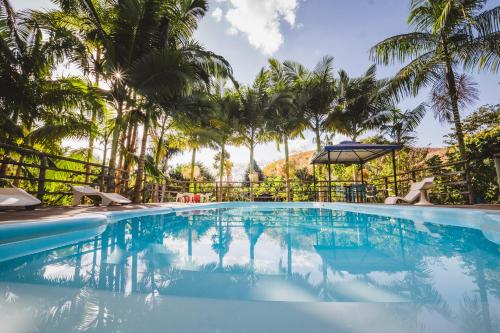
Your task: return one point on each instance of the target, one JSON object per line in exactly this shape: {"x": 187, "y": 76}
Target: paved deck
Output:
{"x": 47, "y": 213}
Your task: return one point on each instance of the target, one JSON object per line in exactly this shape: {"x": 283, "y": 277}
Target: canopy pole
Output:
{"x": 362, "y": 176}
{"x": 362, "y": 189}
{"x": 314, "y": 182}
{"x": 329, "y": 178}
{"x": 394, "y": 172}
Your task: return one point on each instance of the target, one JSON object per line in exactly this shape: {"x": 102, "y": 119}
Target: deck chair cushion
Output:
{"x": 16, "y": 197}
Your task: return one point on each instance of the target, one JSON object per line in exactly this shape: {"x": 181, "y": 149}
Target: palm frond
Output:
{"x": 400, "y": 48}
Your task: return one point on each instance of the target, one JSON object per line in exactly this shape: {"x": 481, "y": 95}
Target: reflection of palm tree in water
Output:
{"x": 221, "y": 240}
{"x": 253, "y": 232}
{"x": 475, "y": 310}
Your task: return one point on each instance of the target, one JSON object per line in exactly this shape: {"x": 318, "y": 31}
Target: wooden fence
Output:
{"x": 49, "y": 178}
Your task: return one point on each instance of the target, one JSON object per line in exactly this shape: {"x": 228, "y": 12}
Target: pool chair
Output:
{"x": 79, "y": 192}
{"x": 418, "y": 191}
{"x": 13, "y": 198}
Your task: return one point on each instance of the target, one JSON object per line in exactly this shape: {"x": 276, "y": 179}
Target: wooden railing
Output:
{"x": 268, "y": 190}
{"x": 451, "y": 186}
{"x": 451, "y": 179}
{"x": 49, "y": 176}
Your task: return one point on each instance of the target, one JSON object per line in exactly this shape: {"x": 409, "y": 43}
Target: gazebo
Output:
{"x": 350, "y": 153}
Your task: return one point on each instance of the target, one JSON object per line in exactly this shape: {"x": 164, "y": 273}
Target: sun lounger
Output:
{"x": 17, "y": 198}
{"x": 417, "y": 191}
{"x": 79, "y": 192}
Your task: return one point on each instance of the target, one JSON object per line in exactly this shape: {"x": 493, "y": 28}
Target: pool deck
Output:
{"x": 49, "y": 213}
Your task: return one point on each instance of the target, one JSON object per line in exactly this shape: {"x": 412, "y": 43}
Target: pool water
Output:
{"x": 256, "y": 269}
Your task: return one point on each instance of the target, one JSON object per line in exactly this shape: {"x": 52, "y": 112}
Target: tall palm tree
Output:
{"x": 447, "y": 34}
{"x": 286, "y": 120}
{"x": 31, "y": 96}
{"x": 191, "y": 126}
{"x": 87, "y": 56}
{"x": 360, "y": 102}
{"x": 255, "y": 103}
{"x": 147, "y": 52}
{"x": 223, "y": 121}
{"x": 318, "y": 87}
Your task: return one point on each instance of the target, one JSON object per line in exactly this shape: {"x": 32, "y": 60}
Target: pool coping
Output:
{"x": 487, "y": 221}
{"x": 144, "y": 210}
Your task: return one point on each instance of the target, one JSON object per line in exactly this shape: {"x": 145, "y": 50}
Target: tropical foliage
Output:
{"x": 142, "y": 90}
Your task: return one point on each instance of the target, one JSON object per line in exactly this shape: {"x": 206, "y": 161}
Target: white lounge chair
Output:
{"x": 79, "y": 192}
{"x": 17, "y": 198}
{"x": 417, "y": 191}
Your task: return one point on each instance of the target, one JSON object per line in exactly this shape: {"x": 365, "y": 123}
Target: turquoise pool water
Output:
{"x": 255, "y": 268}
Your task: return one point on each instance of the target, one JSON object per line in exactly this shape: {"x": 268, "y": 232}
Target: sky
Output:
{"x": 248, "y": 32}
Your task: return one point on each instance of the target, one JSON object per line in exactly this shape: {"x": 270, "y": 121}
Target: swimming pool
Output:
{"x": 254, "y": 268}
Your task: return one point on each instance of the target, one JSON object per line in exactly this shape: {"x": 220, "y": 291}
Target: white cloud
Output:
{"x": 260, "y": 21}
{"x": 217, "y": 14}
{"x": 232, "y": 31}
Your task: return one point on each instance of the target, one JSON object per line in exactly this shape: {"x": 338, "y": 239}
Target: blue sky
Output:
{"x": 248, "y": 32}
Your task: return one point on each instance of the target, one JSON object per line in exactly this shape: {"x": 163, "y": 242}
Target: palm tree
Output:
{"x": 318, "y": 87}
{"x": 447, "y": 34}
{"x": 467, "y": 94}
{"x": 190, "y": 119}
{"x": 87, "y": 56}
{"x": 147, "y": 53}
{"x": 223, "y": 121}
{"x": 400, "y": 125}
{"x": 37, "y": 107}
{"x": 29, "y": 94}
{"x": 286, "y": 121}
{"x": 255, "y": 104}
{"x": 360, "y": 102}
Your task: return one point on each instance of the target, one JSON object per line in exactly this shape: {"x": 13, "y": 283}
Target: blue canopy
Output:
{"x": 349, "y": 152}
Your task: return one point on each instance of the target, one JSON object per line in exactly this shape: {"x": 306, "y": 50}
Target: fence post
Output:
{"x": 472, "y": 200}
{"x": 41, "y": 177}
{"x": 3, "y": 168}
{"x": 288, "y": 194}
{"x": 496, "y": 157}
{"x": 386, "y": 183}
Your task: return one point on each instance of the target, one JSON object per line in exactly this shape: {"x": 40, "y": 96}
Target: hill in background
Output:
{"x": 302, "y": 160}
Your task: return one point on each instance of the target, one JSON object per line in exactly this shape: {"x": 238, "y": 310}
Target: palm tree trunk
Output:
{"x": 251, "y": 168}
{"x": 123, "y": 145}
{"x": 156, "y": 192}
{"x": 114, "y": 146}
{"x": 193, "y": 165}
{"x": 452, "y": 89}
{"x": 287, "y": 168}
{"x": 318, "y": 138}
{"x": 121, "y": 160}
{"x": 139, "y": 182}
{"x": 90, "y": 151}
{"x": 164, "y": 185}
{"x": 221, "y": 170}
{"x": 124, "y": 162}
